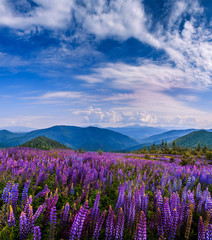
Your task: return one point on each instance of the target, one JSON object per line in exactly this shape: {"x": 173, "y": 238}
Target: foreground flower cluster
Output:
{"x": 71, "y": 195}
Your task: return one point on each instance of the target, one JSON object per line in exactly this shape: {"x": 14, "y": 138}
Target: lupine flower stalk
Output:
{"x": 110, "y": 224}
{"x": 11, "y": 220}
{"x": 53, "y": 221}
{"x": 201, "y": 229}
{"x": 37, "y": 233}
{"x": 120, "y": 225}
{"x": 140, "y": 232}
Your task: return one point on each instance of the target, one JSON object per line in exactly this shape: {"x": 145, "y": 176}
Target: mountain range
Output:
{"x": 139, "y": 132}
{"x": 89, "y": 138}
{"x": 113, "y": 139}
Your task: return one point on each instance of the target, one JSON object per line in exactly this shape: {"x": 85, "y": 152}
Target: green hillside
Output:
{"x": 191, "y": 140}
{"x": 43, "y": 143}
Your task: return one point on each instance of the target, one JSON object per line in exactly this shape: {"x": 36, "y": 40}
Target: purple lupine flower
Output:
{"x": 50, "y": 203}
{"x": 198, "y": 192}
{"x": 173, "y": 224}
{"x": 53, "y": 221}
{"x": 159, "y": 223}
{"x": 144, "y": 204}
{"x": 6, "y": 191}
{"x": 94, "y": 213}
{"x": 131, "y": 214}
{"x": 66, "y": 213}
{"x": 120, "y": 197}
{"x": 199, "y": 206}
{"x": 110, "y": 224}
{"x": 188, "y": 183}
{"x": 13, "y": 196}
{"x": 138, "y": 201}
{"x": 11, "y": 220}
{"x": 159, "y": 200}
{"x": 99, "y": 224}
{"x": 119, "y": 225}
{"x": 179, "y": 185}
{"x": 28, "y": 202}
{"x": 29, "y": 215}
{"x": 43, "y": 192}
{"x": 140, "y": 233}
{"x": 25, "y": 192}
{"x": 166, "y": 214}
{"x": 209, "y": 232}
{"x": 23, "y": 226}
{"x": 37, "y": 233}
{"x": 76, "y": 229}
{"x": 201, "y": 229}
{"x": 39, "y": 211}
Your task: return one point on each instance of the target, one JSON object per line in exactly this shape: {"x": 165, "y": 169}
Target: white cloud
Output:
{"x": 62, "y": 94}
{"x": 117, "y": 18}
{"x": 48, "y": 13}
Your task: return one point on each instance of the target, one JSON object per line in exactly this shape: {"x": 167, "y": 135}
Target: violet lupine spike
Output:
{"x": 82, "y": 219}
{"x": 36, "y": 233}
{"x": 50, "y": 203}
{"x": 94, "y": 213}
{"x": 131, "y": 214}
{"x": 120, "y": 197}
{"x": 30, "y": 219}
{"x": 159, "y": 200}
{"x": 23, "y": 226}
{"x": 99, "y": 224}
{"x": 166, "y": 213}
{"x": 201, "y": 229}
{"x": 145, "y": 200}
{"x": 53, "y": 221}
{"x": 110, "y": 224}
{"x": 77, "y": 225}
{"x": 66, "y": 213}
{"x": 160, "y": 230}
{"x": 28, "y": 202}
{"x": 173, "y": 224}
{"x": 141, "y": 233}
{"x": 39, "y": 211}
{"x": 13, "y": 198}
{"x": 43, "y": 192}
{"x": 11, "y": 220}
{"x": 120, "y": 225}
{"x": 198, "y": 192}
{"x": 25, "y": 192}
{"x": 209, "y": 232}
{"x": 6, "y": 191}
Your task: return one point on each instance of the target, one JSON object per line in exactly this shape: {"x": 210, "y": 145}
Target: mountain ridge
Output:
{"x": 89, "y": 138}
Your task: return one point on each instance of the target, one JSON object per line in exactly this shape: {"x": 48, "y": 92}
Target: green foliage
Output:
{"x": 43, "y": 143}
{"x": 208, "y": 155}
{"x": 187, "y": 158}
{"x": 100, "y": 152}
{"x": 196, "y": 139}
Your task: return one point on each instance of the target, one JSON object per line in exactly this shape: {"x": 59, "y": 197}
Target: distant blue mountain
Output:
{"x": 168, "y": 136}
{"x": 89, "y": 138}
{"x": 138, "y": 132}
{"x": 17, "y": 129}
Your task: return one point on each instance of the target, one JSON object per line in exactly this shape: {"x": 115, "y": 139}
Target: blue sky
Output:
{"x": 106, "y": 62}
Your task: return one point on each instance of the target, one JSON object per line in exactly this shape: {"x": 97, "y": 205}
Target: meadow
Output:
{"x": 64, "y": 194}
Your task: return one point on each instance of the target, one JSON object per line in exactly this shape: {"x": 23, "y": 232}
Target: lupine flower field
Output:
{"x": 63, "y": 194}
